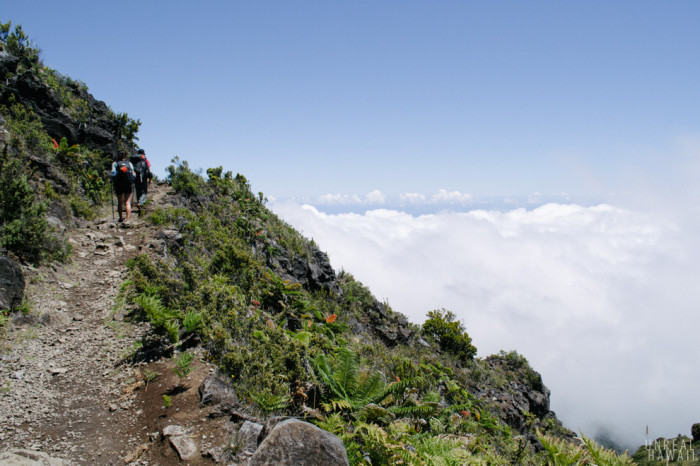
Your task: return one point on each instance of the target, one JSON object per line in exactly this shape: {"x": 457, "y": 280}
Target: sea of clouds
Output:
{"x": 602, "y": 300}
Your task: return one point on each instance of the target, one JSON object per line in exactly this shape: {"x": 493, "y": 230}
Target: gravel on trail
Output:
{"x": 63, "y": 373}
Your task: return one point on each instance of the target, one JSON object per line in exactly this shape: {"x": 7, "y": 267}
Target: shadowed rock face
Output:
{"x": 95, "y": 131}
{"x": 11, "y": 283}
{"x": 314, "y": 271}
{"x": 293, "y": 442}
{"x": 526, "y": 393}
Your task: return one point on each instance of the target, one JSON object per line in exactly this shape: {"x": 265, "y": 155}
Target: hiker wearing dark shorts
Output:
{"x": 142, "y": 168}
{"x": 123, "y": 181}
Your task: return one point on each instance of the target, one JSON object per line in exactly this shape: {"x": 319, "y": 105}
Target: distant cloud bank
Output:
{"x": 601, "y": 300}
{"x": 376, "y": 197}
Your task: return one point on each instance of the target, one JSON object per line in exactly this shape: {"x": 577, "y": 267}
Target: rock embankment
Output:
{"x": 91, "y": 127}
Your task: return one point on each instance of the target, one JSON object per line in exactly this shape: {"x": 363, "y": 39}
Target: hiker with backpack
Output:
{"x": 142, "y": 168}
{"x": 123, "y": 178}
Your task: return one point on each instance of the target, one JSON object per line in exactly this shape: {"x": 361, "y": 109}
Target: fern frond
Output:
{"x": 374, "y": 433}
{"x": 337, "y": 405}
{"x": 269, "y": 402}
{"x": 334, "y": 423}
{"x": 602, "y": 455}
{"x": 458, "y": 408}
{"x": 373, "y": 413}
{"x": 347, "y": 370}
{"x": 398, "y": 389}
{"x": 421, "y": 411}
{"x": 368, "y": 389}
{"x": 561, "y": 452}
{"x": 172, "y": 328}
{"x": 325, "y": 373}
{"x": 192, "y": 321}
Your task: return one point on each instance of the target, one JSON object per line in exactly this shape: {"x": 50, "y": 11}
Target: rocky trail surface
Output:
{"x": 65, "y": 387}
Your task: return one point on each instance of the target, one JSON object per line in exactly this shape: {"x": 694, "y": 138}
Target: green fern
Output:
{"x": 337, "y": 405}
{"x": 368, "y": 388}
{"x": 445, "y": 451}
{"x": 561, "y": 452}
{"x": 588, "y": 452}
{"x": 183, "y": 363}
{"x": 333, "y": 423}
{"x": 373, "y": 413}
{"x": 418, "y": 411}
{"x": 397, "y": 392}
{"x": 381, "y": 447}
{"x": 155, "y": 311}
{"x": 344, "y": 382}
{"x": 269, "y": 402}
{"x": 192, "y": 321}
{"x": 172, "y": 328}
{"x": 602, "y": 456}
{"x": 346, "y": 374}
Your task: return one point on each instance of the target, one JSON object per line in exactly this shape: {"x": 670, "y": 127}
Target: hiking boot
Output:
{"x": 120, "y": 220}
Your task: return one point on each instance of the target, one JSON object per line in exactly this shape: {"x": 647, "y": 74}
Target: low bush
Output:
{"x": 449, "y": 334}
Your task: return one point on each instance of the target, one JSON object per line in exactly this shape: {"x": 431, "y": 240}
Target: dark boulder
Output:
{"x": 295, "y": 442}
{"x": 213, "y": 390}
{"x": 391, "y": 327}
{"x": 320, "y": 273}
{"x": 48, "y": 171}
{"x": 11, "y": 283}
{"x": 524, "y": 395}
{"x": 313, "y": 270}
{"x": 29, "y": 89}
{"x": 247, "y": 436}
{"x": 8, "y": 65}
{"x": 99, "y": 136}
{"x": 60, "y": 127}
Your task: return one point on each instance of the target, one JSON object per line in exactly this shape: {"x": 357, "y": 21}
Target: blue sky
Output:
{"x": 532, "y": 166}
{"x": 313, "y": 98}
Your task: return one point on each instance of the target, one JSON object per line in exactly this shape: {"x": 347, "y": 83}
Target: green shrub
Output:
{"x": 26, "y": 130}
{"x": 17, "y": 43}
{"x": 449, "y": 334}
{"x": 81, "y": 207}
{"x": 269, "y": 360}
{"x": 184, "y": 180}
{"x": 24, "y": 229}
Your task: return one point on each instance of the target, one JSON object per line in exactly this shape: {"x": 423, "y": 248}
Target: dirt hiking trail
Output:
{"x": 65, "y": 388}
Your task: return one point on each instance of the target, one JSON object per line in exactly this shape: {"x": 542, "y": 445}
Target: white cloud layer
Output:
{"x": 376, "y": 197}
{"x": 601, "y": 300}
{"x": 451, "y": 197}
